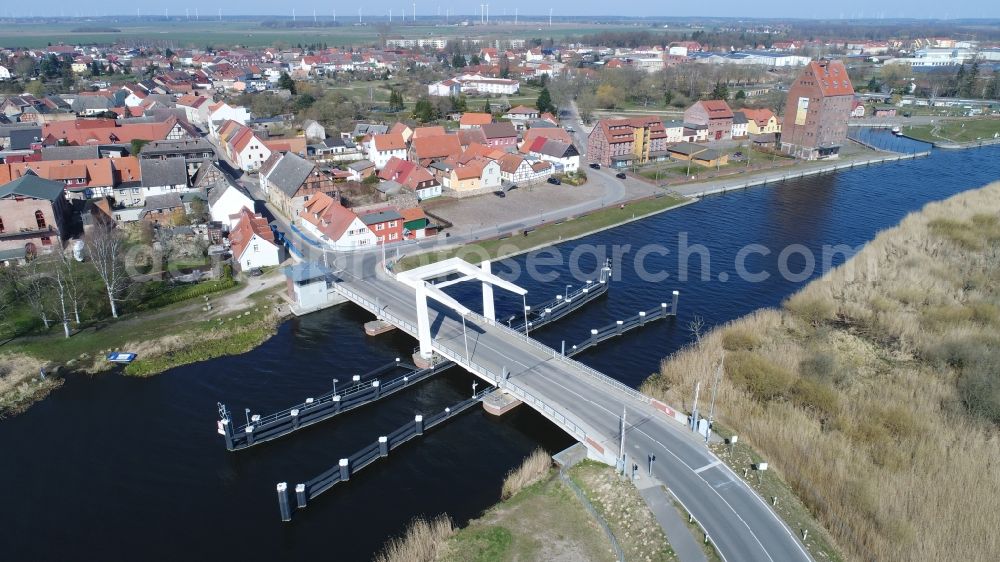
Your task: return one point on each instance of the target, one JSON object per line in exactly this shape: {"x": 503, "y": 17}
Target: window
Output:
{"x": 392, "y": 224}
{"x": 46, "y": 241}
{"x": 40, "y": 219}
{"x": 393, "y": 236}
{"x": 379, "y": 226}
{"x": 256, "y": 248}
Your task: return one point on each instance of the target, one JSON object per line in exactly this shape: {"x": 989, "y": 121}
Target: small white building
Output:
{"x": 382, "y": 148}
{"x": 226, "y": 200}
{"x": 252, "y": 242}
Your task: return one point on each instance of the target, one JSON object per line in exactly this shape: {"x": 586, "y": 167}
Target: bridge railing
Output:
{"x": 525, "y": 396}
{"x": 597, "y": 375}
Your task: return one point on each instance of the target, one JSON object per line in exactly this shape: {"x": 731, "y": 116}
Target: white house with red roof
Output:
{"x": 252, "y": 242}
{"x": 381, "y": 148}
{"x": 335, "y": 225}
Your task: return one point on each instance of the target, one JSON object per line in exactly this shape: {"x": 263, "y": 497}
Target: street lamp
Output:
{"x": 526, "y": 309}
{"x": 566, "y": 295}
{"x": 335, "y": 381}
{"x": 474, "y": 384}
{"x": 465, "y": 334}
{"x": 652, "y": 458}
{"x": 248, "y": 416}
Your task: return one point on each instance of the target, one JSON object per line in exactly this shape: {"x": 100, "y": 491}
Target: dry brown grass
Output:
{"x": 875, "y": 390}
{"x": 421, "y": 542}
{"x": 20, "y": 384}
{"x": 533, "y": 469}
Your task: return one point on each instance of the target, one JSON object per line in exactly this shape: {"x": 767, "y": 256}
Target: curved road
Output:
{"x": 738, "y": 521}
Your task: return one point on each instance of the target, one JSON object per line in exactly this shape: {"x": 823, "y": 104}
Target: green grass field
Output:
{"x": 967, "y": 130}
{"x": 183, "y": 33}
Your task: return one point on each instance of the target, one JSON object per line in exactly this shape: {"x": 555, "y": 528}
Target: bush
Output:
{"x": 164, "y": 295}
{"x": 534, "y": 467}
{"x": 816, "y": 396}
{"x": 421, "y": 542}
{"x": 739, "y": 338}
{"x": 764, "y": 380}
{"x": 822, "y": 366}
{"x": 812, "y": 309}
{"x": 979, "y": 387}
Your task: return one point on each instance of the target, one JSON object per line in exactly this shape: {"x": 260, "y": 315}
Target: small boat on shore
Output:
{"x": 897, "y": 131}
{"x": 120, "y": 357}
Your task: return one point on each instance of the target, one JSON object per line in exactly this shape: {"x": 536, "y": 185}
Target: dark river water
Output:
{"x": 115, "y": 468}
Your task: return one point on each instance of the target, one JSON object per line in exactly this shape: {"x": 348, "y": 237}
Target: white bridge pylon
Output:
{"x": 418, "y": 279}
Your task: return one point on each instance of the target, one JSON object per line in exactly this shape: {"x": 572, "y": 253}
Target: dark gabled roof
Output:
{"x": 739, "y": 118}
{"x": 21, "y": 139}
{"x": 166, "y": 147}
{"x": 289, "y": 173}
{"x": 687, "y": 148}
{"x": 30, "y": 185}
{"x": 169, "y": 171}
{"x": 499, "y": 130}
{"x": 89, "y": 103}
{"x": 380, "y": 216}
{"x": 164, "y": 201}
{"x": 50, "y": 153}
{"x": 221, "y": 187}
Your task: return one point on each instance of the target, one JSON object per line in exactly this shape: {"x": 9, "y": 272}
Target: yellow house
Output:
{"x": 761, "y": 121}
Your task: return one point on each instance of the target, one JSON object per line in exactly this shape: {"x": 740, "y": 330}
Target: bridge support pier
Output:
{"x": 489, "y": 310}
{"x": 295, "y": 418}
{"x": 345, "y": 470}
{"x": 376, "y": 385}
{"x": 642, "y": 318}
{"x": 300, "y": 495}
{"x": 283, "y": 506}
{"x": 418, "y": 421}
{"x": 383, "y": 446}
{"x": 336, "y": 403}
{"x": 677, "y": 295}
{"x": 227, "y": 433}
{"x": 249, "y": 432}
{"x": 424, "y": 323}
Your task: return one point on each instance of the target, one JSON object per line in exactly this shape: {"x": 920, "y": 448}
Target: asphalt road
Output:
{"x": 738, "y": 521}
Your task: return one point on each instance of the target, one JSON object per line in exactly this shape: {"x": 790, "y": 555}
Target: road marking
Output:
{"x": 707, "y": 466}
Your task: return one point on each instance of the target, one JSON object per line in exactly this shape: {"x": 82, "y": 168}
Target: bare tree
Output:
{"x": 71, "y": 273}
{"x": 105, "y": 247}
{"x": 57, "y": 287}
{"x": 696, "y": 326}
{"x": 32, "y": 285}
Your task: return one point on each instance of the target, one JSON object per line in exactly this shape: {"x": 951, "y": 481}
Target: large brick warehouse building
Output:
{"x": 817, "y": 111}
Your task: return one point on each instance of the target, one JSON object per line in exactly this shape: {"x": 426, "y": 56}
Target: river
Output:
{"x": 116, "y": 468}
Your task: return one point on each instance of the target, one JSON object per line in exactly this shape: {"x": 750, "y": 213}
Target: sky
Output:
{"x": 860, "y": 9}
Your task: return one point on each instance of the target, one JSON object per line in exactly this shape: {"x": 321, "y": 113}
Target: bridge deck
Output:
{"x": 589, "y": 406}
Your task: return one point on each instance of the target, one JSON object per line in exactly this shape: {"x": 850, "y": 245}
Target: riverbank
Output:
{"x": 712, "y": 187}
{"x": 955, "y": 134}
{"x": 239, "y": 320}
{"x": 530, "y": 239}
{"x": 873, "y": 391}
{"x": 544, "y": 520}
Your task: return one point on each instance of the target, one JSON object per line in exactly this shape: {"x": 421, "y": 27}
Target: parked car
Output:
{"x": 570, "y": 130}
{"x": 621, "y": 175}
{"x": 555, "y": 181}
{"x": 500, "y": 194}
{"x": 595, "y": 166}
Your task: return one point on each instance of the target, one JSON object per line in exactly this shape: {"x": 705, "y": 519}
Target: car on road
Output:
{"x": 501, "y": 194}
{"x": 621, "y": 175}
{"x": 570, "y": 130}
{"x": 595, "y": 166}
{"x": 555, "y": 181}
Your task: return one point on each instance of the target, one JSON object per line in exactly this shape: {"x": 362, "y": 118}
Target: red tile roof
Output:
{"x": 831, "y": 77}
{"x": 249, "y": 224}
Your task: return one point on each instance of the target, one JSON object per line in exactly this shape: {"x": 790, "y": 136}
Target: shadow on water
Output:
{"x": 115, "y": 468}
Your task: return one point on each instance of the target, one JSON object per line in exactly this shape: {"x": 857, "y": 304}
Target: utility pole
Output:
{"x": 694, "y": 410}
{"x": 715, "y": 391}
{"x": 621, "y": 446}
{"x": 550, "y": 17}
